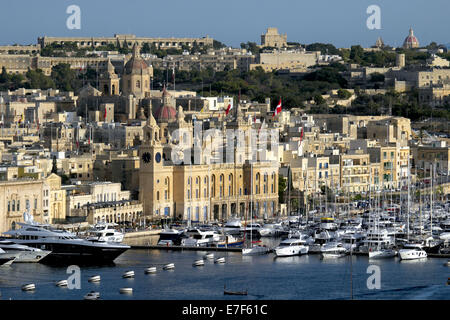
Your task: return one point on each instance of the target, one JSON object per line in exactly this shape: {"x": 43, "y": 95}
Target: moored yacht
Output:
{"x": 412, "y": 254}
{"x": 382, "y": 253}
{"x": 65, "y": 247}
{"x": 169, "y": 237}
{"x": 233, "y": 226}
{"x": 105, "y": 232}
{"x": 5, "y": 258}
{"x": 255, "y": 250}
{"x": 198, "y": 238}
{"x": 22, "y": 253}
{"x": 291, "y": 247}
{"x": 230, "y": 241}
{"x": 333, "y": 250}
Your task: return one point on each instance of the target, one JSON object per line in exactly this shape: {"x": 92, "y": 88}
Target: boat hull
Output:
{"x": 291, "y": 251}
{"x": 412, "y": 254}
{"x": 80, "y": 253}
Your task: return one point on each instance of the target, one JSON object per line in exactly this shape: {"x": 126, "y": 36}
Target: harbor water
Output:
{"x": 264, "y": 276}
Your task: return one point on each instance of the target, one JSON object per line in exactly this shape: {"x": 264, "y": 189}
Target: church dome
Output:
{"x": 136, "y": 64}
{"x": 411, "y": 41}
{"x": 166, "y": 114}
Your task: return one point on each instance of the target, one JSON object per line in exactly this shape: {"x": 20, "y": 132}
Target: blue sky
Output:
{"x": 341, "y": 22}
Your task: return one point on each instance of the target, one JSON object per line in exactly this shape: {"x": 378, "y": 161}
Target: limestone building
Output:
{"x": 272, "y": 39}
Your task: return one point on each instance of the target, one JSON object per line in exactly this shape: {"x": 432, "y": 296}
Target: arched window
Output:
{"x": 138, "y": 84}
{"x": 14, "y": 205}
{"x": 157, "y": 195}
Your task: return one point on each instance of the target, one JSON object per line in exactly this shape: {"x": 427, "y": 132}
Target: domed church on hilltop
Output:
{"x": 411, "y": 41}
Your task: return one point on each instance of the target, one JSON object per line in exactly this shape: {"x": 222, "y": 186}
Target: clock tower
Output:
{"x": 155, "y": 179}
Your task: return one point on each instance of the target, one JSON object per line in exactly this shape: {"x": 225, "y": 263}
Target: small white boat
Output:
{"x": 93, "y": 295}
{"x": 169, "y": 266}
{"x": 126, "y": 290}
{"x": 447, "y": 263}
{"x": 220, "y": 260}
{"x": 128, "y": 274}
{"x": 255, "y": 250}
{"x": 209, "y": 256}
{"x": 62, "y": 283}
{"x": 29, "y": 287}
{"x": 150, "y": 270}
{"x": 382, "y": 253}
{"x": 198, "y": 263}
{"x": 412, "y": 254}
{"x": 94, "y": 279}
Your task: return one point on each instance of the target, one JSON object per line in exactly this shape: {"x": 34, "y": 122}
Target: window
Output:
{"x": 14, "y": 205}
{"x": 9, "y": 206}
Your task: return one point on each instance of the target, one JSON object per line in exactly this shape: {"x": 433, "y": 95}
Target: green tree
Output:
{"x": 38, "y": 80}
{"x": 64, "y": 77}
{"x": 319, "y": 100}
{"x": 343, "y": 94}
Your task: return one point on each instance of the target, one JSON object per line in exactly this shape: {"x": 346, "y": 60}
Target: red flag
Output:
{"x": 228, "y": 109}
{"x": 301, "y": 135}
{"x": 277, "y": 109}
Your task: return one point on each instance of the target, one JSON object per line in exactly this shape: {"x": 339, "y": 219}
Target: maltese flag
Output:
{"x": 228, "y": 109}
{"x": 277, "y": 109}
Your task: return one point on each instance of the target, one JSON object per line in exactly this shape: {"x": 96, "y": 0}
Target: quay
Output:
{"x": 175, "y": 248}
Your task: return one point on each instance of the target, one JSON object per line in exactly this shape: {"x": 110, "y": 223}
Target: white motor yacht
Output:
{"x": 252, "y": 229}
{"x": 169, "y": 237}
{"x": 22, "y": 253}
{"x": 105, "y": 232}
{"x": 412, "y": 254}
{"x": 198, "y": 238}
{"x": 321, "y": 237}
{"x": 333, "y": 250}
{"x": 382, "y": 253}
{"x": 291, "y": 247}
{"x": 233, "y": 226}
{"x": 352, "y": 241}
{"x": 271, "y": 230}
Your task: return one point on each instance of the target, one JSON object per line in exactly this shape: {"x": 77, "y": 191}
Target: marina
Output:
{"x": 295, "y": 277}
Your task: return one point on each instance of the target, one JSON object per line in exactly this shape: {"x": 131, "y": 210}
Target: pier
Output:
{"x": 181, "y": 248}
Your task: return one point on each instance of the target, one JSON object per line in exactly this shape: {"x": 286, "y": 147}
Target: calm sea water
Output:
{"x": 265, "y": 277}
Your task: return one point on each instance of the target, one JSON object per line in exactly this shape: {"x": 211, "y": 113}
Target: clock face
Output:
{"x": 146, "y": 157}
{"x": 158, "y": 157}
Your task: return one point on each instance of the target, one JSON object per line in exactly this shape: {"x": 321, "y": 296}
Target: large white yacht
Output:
{"x": 64, "y": 246}
{"x": 291, "y": 247}
{"x": 105, "y": 232}
{"x": 22, "y": 253}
